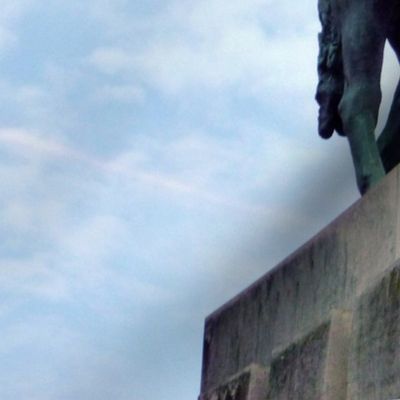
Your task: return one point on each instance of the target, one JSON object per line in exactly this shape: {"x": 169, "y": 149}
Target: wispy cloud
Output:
{"x": 31, "y": 145}
{"x": 120, "y": 93}
{"x": 11, "y": 13}
{"x": 214, "y": 44}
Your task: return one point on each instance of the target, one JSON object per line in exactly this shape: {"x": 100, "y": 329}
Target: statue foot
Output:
{"x": 367, "y": 180}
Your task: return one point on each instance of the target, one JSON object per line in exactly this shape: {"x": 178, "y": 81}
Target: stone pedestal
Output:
{"x": 323, "y": 324}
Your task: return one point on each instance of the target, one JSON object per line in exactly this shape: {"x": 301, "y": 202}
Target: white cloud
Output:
{"x": 214, "y": 44}
{"x": 32, "y": 144}
{"x": 90, "y": 246}
{"x": 37, "y": 105}
{"x": 42, "y": 149}
{"x": 33, "y": 277}
{"x": 11, "y": 13}
{"x": 111, "y": 60}
{"x": 120, "y": 93}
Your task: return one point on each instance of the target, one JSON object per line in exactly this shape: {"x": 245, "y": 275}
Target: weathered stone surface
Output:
{"x": 315, "y": 366}
{"x": 297, "y": 372}
{"x": 374, "y": 372}
{"x": 329, "y": 272}
{"x": 249, "y": 384}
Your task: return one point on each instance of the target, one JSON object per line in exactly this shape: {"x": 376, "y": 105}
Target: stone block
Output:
{"x": 249, "y": 384}
{"x": 315, "y": 366}
{"x": 374, "y": 372}
{"x": 297, "y": 372}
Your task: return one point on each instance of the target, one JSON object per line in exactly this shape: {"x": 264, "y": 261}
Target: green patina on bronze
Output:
{"x": 351, "y": 43}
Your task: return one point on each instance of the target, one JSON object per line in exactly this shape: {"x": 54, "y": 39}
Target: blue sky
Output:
{"x": 155, "y": 158}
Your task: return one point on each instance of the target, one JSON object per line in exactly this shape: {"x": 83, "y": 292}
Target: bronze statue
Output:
{"x": 351, "y": 43}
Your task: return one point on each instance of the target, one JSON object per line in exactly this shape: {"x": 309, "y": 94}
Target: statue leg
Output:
{"x": 389, "y": 140}
{"x": 362, "y": 47}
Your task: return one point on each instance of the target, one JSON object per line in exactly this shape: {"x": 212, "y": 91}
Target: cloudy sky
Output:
{"x": 155, "y": 158}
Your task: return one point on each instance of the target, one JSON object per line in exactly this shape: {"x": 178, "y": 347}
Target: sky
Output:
{"x": 156, "y": 157}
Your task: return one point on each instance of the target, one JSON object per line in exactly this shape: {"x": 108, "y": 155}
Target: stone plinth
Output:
{"x": 303, "y": 308}
{"x": 374, "y": 371}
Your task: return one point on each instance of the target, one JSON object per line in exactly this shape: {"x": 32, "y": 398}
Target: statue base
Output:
{"x": 325, "y": 323}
